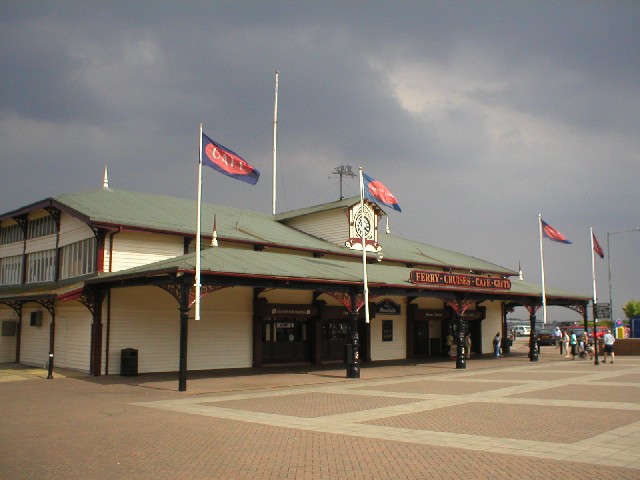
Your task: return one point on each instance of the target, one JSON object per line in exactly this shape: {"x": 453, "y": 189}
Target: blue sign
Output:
{"x": 388, "y": 307}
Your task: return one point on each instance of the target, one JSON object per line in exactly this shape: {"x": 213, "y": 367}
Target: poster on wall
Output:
{"x": 387, "y": 330}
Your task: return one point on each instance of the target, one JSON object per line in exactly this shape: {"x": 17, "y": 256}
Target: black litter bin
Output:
{"x": 129, "y": 362}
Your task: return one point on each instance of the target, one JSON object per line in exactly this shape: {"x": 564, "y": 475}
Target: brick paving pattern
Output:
{"x": 439, "y": 387}
{"x": 308, "y": 405}
{"x": 552, "y": 424}
{"x": 498, "y": 419}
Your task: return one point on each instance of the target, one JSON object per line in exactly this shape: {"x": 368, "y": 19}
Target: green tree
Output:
{"x": 632, "y": 309}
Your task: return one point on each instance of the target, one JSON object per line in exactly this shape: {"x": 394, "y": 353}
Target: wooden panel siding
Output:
{"x": 73, "y": 230}
{"x": 135, "y": 249}
{"x": 428, "y": 303}
{"x": 223, "y": 341}
{"x": 147, "y": 319}
{"x": 39, "y": 244}
{"x": 223, "y": 336}
{"x": 491, "y": 325}
{"x": 302, "y": 297}
{"x": 11, "y": 249}
{"x": 332, "y": 225}
{"x": 34, "y": 348}
{"x": 107, "y": 254}
{"x": 73, "y": 337}
{"x": 396, "y": 349}
{"x": 7, "y": 344}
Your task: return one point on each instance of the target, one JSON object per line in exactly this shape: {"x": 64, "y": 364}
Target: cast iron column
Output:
{"x": 460, "y": 354}
{"x": 184, "y": 330}
{"x": 506, "y": 344}
{"x": 52, "y": 342}
{"x": 353, "y": 364}
{"x": 533, "y": 347}
{"x": 595, "y": 336}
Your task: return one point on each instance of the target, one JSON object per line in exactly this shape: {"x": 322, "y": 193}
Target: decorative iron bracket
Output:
{"x": 15, "y": 306}
{"x": 460, "y": 306}
{"x": 345, "y": 299}
{"x": 581, "y": 309}
{"x": 175, "y": 289}
{"x": 92, "y": 299}
{"x": 49, "y": 304}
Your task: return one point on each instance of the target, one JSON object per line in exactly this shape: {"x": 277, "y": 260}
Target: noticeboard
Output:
{"x": 387, "y": 330}
{"x": 603, "y": 310}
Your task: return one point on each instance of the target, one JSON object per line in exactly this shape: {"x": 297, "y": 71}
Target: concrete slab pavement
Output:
{"x": 505, "y": 418}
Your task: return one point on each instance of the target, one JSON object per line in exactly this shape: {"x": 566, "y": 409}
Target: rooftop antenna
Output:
{"x": 343, "y": 171}
{"x": 105, "y": 178}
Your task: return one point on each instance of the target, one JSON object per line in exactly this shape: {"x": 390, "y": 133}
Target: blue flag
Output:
{"x": 228, "y": 162}
{"x": 378, "y": 193}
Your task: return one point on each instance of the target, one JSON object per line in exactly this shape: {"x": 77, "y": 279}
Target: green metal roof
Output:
{"x": 176, "y": 215}
{"x": 118, "y": 208}
{"x": 229, "y": 262}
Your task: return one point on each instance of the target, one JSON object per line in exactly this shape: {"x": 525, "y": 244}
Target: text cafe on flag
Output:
{"x": 279, "y": 289}
{"x": 227, "y": 162}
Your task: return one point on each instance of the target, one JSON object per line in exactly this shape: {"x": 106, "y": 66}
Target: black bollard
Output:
{"x": 50, "y": 372}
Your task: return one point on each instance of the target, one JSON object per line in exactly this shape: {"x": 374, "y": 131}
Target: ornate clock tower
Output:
{"x": 365, "y": 220}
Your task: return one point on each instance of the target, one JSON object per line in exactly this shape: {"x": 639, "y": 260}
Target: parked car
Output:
{"x": 578, "y": 330}
{"x": 522, "y": 330}
{"x": 546, "y": 336}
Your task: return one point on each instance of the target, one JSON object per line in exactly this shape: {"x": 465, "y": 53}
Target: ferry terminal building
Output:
{"x": 87, "y": 278}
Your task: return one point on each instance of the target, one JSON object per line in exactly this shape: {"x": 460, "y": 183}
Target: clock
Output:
{"x": 362, "y": 222}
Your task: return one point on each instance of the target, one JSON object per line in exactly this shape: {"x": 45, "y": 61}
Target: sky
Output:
{"x": 478, "y": 116}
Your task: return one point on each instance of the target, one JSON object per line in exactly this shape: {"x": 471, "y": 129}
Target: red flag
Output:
{"x": 552, "y": 234}
{"x": 228, "y": 162}
{"x": 377, "y": 192}
{"x": 596, "y": 246}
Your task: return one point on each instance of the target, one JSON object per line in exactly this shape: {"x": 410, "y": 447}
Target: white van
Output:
{"x": 522, "y": 330}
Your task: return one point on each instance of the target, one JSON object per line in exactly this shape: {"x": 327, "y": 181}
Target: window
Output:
{"x": 78, "y": 258}
{"x": 291, "y": 330}
{"x": 41, "y": 266}
{"x": 11, "y": 270}
{"x": 39, "y": 227}
{"x": 10, "y": 234}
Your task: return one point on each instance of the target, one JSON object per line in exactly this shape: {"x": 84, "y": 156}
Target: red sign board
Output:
{"x": 461, "y": 280}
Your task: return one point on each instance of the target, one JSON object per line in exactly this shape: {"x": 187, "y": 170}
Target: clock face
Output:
{"x": 363, "y": 222}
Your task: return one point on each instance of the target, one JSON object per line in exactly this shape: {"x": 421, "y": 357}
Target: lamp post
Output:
{"x": 637, "y": 229}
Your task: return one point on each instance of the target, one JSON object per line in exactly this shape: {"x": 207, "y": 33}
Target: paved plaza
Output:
{"x": 497, "y": 419}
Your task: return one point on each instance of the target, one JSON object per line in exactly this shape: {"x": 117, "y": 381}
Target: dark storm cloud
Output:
{"x": 477, "y": 115}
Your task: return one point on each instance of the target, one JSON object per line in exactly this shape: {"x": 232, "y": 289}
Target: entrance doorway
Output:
{"x": 334, "y": 336}
{"x": 285, "y": 341}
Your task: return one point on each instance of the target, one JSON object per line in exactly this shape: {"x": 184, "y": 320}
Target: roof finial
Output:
{"x": 520, "y": 276}
{"x": 214, "y": 236}
{"x": 105, "y": 178}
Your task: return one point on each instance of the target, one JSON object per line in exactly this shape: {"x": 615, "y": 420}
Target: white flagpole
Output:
{"x": 198, "y": 226}
{"x": 544, "y": 293}
{"x": 275, "y": 143}
{"x": 593, "y": 270}
{"x": 364, "y": 251}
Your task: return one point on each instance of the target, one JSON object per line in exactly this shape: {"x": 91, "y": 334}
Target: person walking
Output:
{"x": 467, "y": 345}
{"x": 565, "y": 343}
{"x": 573, "y": 344}
{"x": 608, "y": 340}
{"x": 557, "y": 338}
{"x": 449, "y": 343}
{"x": 584, "y": 344}
{"x": 496, "y": 345}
